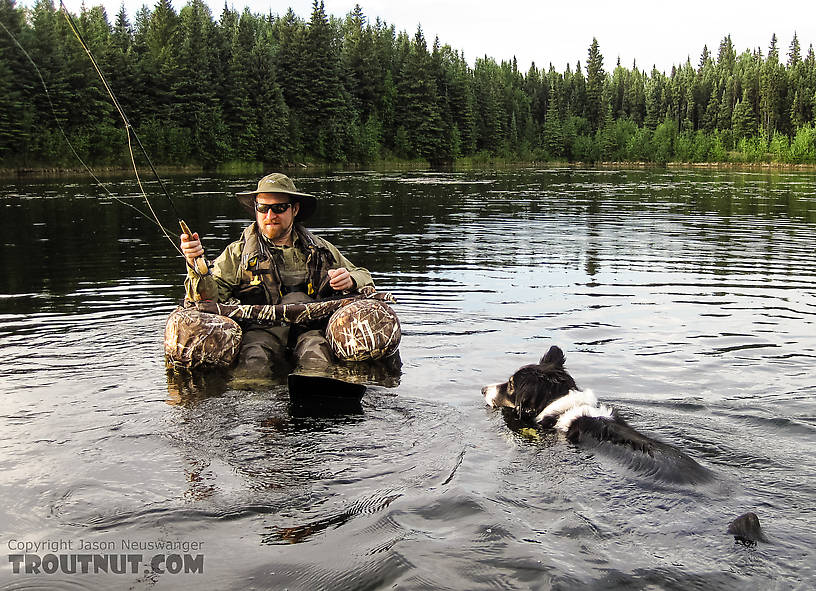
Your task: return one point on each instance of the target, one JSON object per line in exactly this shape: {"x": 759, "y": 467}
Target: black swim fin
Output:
{"x": 307, "y": 387}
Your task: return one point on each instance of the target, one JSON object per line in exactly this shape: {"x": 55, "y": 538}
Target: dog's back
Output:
{"x": 638, "y": 452}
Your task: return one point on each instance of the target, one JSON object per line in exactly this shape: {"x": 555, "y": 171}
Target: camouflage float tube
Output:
{"x": 360, "y": 328}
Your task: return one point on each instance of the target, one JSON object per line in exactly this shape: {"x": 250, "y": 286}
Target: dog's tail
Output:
{"x": 554, "y": 356}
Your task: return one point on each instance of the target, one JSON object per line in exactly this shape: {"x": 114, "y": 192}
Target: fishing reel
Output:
{"x": 200, "y": 265}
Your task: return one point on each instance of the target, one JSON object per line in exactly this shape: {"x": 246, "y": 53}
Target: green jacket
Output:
{"x": 255, "y": 273}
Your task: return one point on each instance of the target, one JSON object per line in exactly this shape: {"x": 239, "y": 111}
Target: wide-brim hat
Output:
{"x": 279, "y": 183}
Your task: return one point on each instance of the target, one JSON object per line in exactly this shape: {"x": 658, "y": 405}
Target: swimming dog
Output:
{"x": 545, "y": 395}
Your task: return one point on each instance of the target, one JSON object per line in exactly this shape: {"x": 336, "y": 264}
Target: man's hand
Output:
{"x": 191, "y": 247}
{"x": 340, "y": 279}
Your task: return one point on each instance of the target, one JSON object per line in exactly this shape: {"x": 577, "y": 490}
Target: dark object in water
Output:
{"x": 310, "y": 389}
{"x": 746, "y": 529}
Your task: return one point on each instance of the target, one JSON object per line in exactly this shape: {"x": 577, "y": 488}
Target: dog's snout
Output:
{"x": 490, "y": 394}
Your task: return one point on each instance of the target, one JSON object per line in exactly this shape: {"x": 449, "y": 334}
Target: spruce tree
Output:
{"x": 324, "y": 110}
{"x": 577, "y": 91}
{"x": 440, "y": 69}
{"x": 537, "y": 93}
{"x": 238, "y": 112}
{"x": 196, "y": 107}
{"x": 552, "y": 132}
{"x": 595, "y": 86}
{"x": 490, "y": 127}
{"x": 726, "y": 57}
{"x": 161, "y": 40}
{"x": 53, "y": 50}
{"x": 98, "y": 128}
{"x": 122, "y": 72}
{"x": 361, "y": 64}
{"x": 10, "y": 107}
{"x": 743, "y": 120}
{"x": 143, "y": 107}
{"x": 772, "y": 92}
{"x": 617, "y": 91}
{"x": 18, "y": 86}
{"x": 712, "y": 110}
{"x": 417, "y": 109}
{"x": 654, "y": 93}
{"x": 794, "y": 53}
{"x": 273, "y": 143}
{"x": 635, "y": 96}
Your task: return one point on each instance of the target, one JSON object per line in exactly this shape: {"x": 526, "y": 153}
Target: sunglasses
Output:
{"x": 262, "y": 208}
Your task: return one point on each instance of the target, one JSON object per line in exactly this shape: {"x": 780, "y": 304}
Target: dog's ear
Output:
{"x": 554, "y": 356}
{"x": 536, "y": 386}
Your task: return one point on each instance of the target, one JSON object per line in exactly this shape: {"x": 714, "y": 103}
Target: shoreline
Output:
{"x": 112, "y": 171}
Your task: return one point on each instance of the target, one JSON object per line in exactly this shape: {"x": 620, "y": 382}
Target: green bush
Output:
{"x": 718, "y": 151}
{"x": 780, "y": 147}
{"x": 753, "y": 149}
{"x": 803, "y": 146}
{"x": 663, "y": 142}
{"x": 639, "y": 145}
{"x": 585, "y": 149}
{"x": 684, "y": 146}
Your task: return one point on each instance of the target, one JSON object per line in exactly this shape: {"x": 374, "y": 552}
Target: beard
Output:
{"x": 275, "y": 231}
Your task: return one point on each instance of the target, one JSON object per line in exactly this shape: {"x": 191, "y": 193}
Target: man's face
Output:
{"x": 275, "y": 226}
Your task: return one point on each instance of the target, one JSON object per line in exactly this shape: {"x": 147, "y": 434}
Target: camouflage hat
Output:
{"x": 279, "y": 183}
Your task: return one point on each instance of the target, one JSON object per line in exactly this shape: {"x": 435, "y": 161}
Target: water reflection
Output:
{"x": 413, "y": 224}
{"x": 188, "y": 387}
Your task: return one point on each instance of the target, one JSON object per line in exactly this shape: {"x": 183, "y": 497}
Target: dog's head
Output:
{"x": 533, "y": 387}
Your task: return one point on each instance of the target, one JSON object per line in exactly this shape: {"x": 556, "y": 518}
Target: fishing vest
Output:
{"x": 259, "y": 276}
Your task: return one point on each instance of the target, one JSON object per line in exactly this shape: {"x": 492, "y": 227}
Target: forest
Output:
{"x": 270, "y": 89}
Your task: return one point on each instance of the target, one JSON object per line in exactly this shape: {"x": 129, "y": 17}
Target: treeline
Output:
{"x": 277, "y": 89}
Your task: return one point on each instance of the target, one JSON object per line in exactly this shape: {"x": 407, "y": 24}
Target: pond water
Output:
{"x": 685, "y": 299}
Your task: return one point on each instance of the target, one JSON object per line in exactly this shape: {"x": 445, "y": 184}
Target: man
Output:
{"x": 276, "y": 261}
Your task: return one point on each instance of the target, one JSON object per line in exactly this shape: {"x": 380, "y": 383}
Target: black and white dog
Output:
{"x": 545, "y": 395}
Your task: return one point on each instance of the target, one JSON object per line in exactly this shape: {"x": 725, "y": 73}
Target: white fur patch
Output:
{"x": 584, "y": 410}
{"x": 565, "y": 403}
{"x": 490, "y": 394}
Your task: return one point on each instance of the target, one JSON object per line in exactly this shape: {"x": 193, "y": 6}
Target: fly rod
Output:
{"x": 201, "y": 266}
